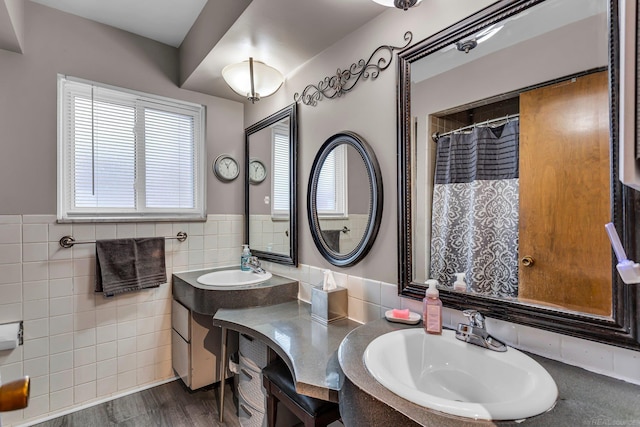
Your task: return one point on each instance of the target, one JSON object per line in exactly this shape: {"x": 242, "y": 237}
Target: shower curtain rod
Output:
{"x": 438, "y": 135}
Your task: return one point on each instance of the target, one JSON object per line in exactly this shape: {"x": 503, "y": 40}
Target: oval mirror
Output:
{"x": 344, "y": 207}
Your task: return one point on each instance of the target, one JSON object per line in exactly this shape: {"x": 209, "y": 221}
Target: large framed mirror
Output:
{"x": 508, "y": 156}
{"x": 271, "y": 150}
{"x": 344, "y": 201}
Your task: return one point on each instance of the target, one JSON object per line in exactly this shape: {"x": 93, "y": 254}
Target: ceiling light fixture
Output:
{"x": 482, "y": 36}
{"x": 252, "y": 79}
{"x": 400, "y": 4}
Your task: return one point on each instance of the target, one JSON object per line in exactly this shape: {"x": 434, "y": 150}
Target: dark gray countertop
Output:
{"x": 308, "y": 347}
{"x": 276, "y": 290}
{"x": 585, "y": 398}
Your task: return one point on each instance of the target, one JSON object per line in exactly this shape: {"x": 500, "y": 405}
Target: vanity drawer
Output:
{"x": 250, "y": 382}
{"x": 180, "y": 320}
{"x": 181, "y": 357}
{"x": 248, "y": 415}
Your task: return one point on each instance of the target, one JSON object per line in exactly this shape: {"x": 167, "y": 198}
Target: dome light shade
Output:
{"x": 400, "y": 4}
{"x": 252, "y": 79}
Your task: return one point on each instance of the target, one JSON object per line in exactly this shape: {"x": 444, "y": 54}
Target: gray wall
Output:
{"x": 11, "y": 25}
{"x": 369, "y": 110}
{"x": 60, "y": 43}
{"x": 56, "y": 42}
{"x": 208, "y": 29}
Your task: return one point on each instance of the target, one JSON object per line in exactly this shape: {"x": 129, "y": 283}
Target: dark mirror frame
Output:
{"x": 290, "y": 112}
{"x": 375, "y": 203}
{"x": 622, "y": 329}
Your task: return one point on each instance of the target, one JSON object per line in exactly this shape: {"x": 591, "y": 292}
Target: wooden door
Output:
{"x": 565, "y": 195}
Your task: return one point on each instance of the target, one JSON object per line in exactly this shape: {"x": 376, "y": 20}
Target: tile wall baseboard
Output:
{"x": 73, "y": 409}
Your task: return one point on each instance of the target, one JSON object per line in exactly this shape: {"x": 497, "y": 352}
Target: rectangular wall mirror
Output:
{"x": 508, "y": 151}
{"x": 270, "y": 187}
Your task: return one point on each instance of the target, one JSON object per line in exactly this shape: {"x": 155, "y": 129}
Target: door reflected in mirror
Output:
{"x": 271, "y": 211}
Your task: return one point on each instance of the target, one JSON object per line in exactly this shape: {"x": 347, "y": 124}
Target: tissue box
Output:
{"x": 328, "y": 306}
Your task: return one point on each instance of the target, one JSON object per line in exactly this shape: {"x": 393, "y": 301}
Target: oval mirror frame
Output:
{"x": 289, "y": 112}
{"x": 372, "y": 167}
{"x": 622, "y": 329}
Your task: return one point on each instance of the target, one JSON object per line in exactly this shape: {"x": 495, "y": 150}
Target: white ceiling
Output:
{"x": 283, "y": 33}
{"x": 166, "y": 21}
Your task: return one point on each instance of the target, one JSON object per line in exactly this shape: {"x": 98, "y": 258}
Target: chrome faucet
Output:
{"x": 255, "y": 265}
{"x": 476, "y": 333}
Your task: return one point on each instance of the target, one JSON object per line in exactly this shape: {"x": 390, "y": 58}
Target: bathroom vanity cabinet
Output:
{"x": 196, "y": 342}
{"x": 195, "y": 347}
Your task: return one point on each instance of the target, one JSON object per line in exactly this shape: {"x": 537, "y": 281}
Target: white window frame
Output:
{"x": 67, "y": 212}
{"x": 280, "y": 214}
{"x": 341, "y": 183}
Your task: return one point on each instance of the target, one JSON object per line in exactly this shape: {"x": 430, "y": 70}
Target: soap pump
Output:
{"x": 432, "y": 309}
{"x": 244, "y": 258}
{"x": 460, "y": 285}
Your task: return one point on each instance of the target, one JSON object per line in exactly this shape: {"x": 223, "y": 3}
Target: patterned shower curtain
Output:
{"x": 475, "y": 210}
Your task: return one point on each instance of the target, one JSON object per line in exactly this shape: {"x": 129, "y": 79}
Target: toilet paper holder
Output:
{"x": 20, "y": 330}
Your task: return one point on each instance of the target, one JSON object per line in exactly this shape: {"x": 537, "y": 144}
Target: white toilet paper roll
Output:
{"x": 9, "y": 336}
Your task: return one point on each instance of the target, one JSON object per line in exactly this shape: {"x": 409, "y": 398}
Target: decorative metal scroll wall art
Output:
{"x": 345, "y": 80}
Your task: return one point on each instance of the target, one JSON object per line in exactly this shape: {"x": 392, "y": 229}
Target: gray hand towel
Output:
{"x": 124, "y": 265}
{"x": 332, "y": 239}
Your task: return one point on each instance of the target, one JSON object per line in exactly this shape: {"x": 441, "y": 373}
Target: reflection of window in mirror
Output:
{"x": 332, "y": 185}
{"x": 280, "y": 172}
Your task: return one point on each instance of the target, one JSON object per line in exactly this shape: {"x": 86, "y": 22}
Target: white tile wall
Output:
{"x": 82, "y": 348}
{"x": 79, "y": 346}
{"x": 269, "y": 235}
{"x": 369, "y": 299}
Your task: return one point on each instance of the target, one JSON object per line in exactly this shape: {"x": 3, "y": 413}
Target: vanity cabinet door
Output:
{"x": 181, "y": 357}
{"x": 180, "y": 320}
{"x": 195, "y": 347}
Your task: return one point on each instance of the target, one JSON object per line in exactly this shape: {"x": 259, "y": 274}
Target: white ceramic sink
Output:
{"x": 451, "y": 376}
{"x": 230, "y": 278}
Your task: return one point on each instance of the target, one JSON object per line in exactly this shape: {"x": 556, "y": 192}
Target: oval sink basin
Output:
{"x": 442, "y": 373}
{"x": 230, "y": 278}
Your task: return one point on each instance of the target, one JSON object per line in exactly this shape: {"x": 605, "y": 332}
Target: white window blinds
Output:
{"x": 128, "y": 155}
{"x": 280, "y": 189}
{"x": 331, "y": 193}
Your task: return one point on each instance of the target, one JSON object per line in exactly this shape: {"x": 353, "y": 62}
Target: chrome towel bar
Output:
{"x": 68, "y": 241}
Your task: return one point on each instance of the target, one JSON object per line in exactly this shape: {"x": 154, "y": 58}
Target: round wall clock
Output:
{"x": 225, "y": 168}
{"x": 257, "y": 171}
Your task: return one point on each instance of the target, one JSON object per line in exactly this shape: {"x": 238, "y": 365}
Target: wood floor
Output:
{"x": 170, "y": 405}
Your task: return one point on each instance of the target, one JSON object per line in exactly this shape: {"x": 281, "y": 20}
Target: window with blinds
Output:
{"x": 331, "y": 193}
{"x": 280, "y": 185}
{"x": 128, "y": 155}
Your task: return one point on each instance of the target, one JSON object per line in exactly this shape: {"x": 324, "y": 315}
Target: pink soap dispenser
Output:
{"x": 432, "y": 309}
